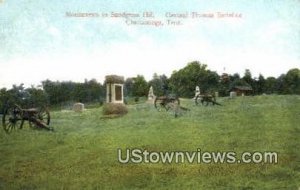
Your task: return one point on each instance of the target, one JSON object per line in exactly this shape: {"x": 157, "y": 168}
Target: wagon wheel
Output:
{"x": 12, "y": 119}
{"x": 173, "y": 103}
{"x": 176, "y": 101}
{"x": 42, "y": 116}
{"x": 159, "y": 103}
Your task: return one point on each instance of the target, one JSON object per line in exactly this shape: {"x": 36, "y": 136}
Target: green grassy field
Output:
{"x": 82, "y": 152}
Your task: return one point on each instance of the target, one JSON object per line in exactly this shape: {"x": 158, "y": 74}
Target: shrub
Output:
{"x": 114, "y": 109}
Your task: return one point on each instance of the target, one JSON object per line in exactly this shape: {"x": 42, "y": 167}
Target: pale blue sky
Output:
{"x": 37, "y": 39}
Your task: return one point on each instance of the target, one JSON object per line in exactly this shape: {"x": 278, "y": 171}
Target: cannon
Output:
{"x": 207, "y": 98}
{"x": 166, "y": 102}
{"x": 14, "y": 117}
{"x": 169, "y": 102}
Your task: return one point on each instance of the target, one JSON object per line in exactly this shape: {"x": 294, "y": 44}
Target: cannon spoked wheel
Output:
{"x": 159, "y": 104}
{"x": 12, "y": 119}
{"x": 166, "y": 103}
{"x": 42, "y": 117}
{"x": 173, "y": 103}
{"x": 206, "y": 99}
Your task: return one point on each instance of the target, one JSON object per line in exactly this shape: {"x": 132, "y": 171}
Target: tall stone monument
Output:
{"x": 114, "y": 89}
{"x": 197, "y": 91}
{"x": 151, "y": 95}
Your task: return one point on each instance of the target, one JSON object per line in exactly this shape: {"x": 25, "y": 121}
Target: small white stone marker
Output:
{"x": 78, "y": 107}
{"x": 232, "y": 94}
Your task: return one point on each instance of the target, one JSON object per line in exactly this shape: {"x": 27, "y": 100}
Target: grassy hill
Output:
{"x": 82, "y": 152}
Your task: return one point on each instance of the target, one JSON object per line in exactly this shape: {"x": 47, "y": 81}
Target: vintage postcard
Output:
{"x": 136, "y": 94}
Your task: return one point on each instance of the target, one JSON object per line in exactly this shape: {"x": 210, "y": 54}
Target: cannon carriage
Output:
{"x": 205, "y": 99}
{"x": 14, "y": 117}
{"x": 166, "y": 102}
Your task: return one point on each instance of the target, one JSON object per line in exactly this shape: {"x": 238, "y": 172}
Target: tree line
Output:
{"x": 181, "y": 82}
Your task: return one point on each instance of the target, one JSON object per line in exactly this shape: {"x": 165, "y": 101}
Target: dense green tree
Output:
{"x": 260, "y": 84}
{"x": 4, "y": 97}
{"x": 234, "y": 77}
{"x": 17, "y": 95}
{"x": 184, "y": 81}
{"x": 225, "y": 85}
{"x": 140, "y": 86}
{"x": 29, "y": 97}
{"x": 270, "y": 85}
{"x": 94, "y": 91}
{"x": 248, "y": 76}
{"x": 55, "y": 91}
{"x": 128, "y": 87}
{"x": 36, "y": 97}
{"x": 66, "y": 91}
{"x": 159, "y": 84}
{"x": 280, "y": 86}
{"x": 249, "y": 80}
{"x": 292, "y": 82}
{"x": 239, "y": 82}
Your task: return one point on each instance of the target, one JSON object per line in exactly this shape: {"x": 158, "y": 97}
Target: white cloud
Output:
{"x": 54, "y": 32}
{"x": 146, "y": 55}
